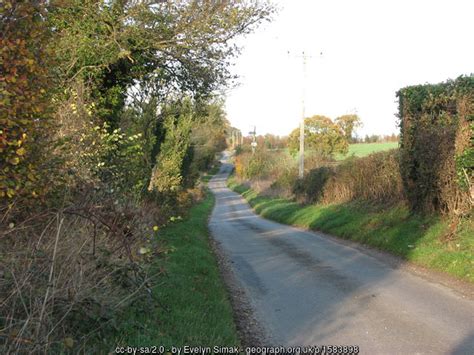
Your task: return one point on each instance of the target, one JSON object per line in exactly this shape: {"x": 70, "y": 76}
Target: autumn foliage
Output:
{"x": 109, "y": 113}
{"x": 24, "y": 85}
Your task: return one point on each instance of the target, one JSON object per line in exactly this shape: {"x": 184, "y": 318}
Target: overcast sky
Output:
{"x": 369, "y": 49}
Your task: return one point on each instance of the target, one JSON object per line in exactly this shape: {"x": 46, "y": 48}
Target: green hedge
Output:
{"x": 436, "y": 143}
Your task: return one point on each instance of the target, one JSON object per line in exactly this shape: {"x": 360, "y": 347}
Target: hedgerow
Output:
{"x": 436, "y": 143}
{"x": 100, "y": 100}
{"x": 24, "y": 91}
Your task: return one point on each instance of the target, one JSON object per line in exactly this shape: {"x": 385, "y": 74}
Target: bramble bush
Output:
{"x": 258, "y": 165}
{"x": 349, "y": 181}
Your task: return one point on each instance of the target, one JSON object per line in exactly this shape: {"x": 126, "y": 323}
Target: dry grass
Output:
{"x": 374, "y": 178}
{"x": 66, "y": 273}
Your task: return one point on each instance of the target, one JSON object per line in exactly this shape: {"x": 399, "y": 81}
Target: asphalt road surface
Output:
{"x": 307, "y": 289}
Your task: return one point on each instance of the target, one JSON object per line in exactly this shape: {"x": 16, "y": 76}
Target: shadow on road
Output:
{"x": 310, "y": 290}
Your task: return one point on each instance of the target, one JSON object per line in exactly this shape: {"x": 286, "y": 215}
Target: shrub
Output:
{"x": 310, "y": 189}
{"x": 436, "y": 125}
{"x": 352, "y": 181}
{"x": 254, "y": 166}
{"x": 325, "y": 181}
{"x": 240, "y": 149}
{"x": 119, "y": 161}
{"x": 286, "y": 178}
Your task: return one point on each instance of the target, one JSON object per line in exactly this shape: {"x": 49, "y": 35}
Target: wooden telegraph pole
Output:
{"x": 301, "y": 157}
{"x": 303, "y": 113}
{"x": 254, "y": 138}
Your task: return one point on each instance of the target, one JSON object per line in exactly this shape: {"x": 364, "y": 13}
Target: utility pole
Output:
{"x": 302, "y": 125}
{"x": 301, "y": 156}
{"x": 254, "y": 138}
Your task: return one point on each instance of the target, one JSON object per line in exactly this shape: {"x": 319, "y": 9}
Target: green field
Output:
{"x": 364, "y": 149}
{"x": 359, "y": 149}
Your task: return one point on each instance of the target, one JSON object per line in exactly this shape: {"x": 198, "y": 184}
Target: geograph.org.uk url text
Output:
{"x": 250, "y": 350}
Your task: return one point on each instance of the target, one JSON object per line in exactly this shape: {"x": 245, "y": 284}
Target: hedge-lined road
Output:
{"x": 307, "y": 289}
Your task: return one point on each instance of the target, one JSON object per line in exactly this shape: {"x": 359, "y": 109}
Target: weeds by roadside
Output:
{"x": 191, "y": 305}
{"x": 67, "y": 274}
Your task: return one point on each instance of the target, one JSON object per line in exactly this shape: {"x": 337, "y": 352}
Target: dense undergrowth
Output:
{"x": 190, "y": 303}
{"x": 69, "y": 272}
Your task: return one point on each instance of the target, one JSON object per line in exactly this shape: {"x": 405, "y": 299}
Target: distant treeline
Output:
{"x": 376, "y": 138}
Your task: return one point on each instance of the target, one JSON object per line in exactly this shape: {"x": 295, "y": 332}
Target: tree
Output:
{"x": 139, "y": 57}
{"x": 79, "y": 65}
{"x": 183, "y": 47}
{"x": 322, "y": 135}
{"x": 374, "y": 138}
{"x": 194, "y": 133}
{"x": 208, "y": 136}
{"x": 167, "y": 173}
{"x": 348, "y": 123}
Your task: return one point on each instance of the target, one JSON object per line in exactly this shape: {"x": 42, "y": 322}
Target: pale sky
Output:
{"x": 369, "y": 48}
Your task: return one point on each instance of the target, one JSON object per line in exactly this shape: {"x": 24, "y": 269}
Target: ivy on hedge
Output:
{"x": 436, "y": 143}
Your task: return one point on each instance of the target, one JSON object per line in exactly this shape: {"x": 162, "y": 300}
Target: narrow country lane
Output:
{"x": 307, "y": 289}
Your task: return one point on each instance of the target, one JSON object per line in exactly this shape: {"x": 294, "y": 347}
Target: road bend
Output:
{"x": 307, "y": 289}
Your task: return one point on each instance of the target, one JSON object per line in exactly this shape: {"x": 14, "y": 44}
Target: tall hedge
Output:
{"x": 24, "y": 89}
{"x": 436, "y": 143}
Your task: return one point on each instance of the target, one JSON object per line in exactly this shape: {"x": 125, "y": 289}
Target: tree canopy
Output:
{"x": 113, "y": 65}
{"x": 322, "y": 136}
{"x": 348, "y": 124}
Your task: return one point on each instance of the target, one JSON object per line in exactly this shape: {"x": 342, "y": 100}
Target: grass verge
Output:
{"x": 419, "y": 239}
{"x": 213, "y": 171}
{"x": 190, "y": 302}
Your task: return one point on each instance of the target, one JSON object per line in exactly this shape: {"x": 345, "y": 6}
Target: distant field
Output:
{"x": 359, "y": 149}
{"x": 363, "y": 149}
